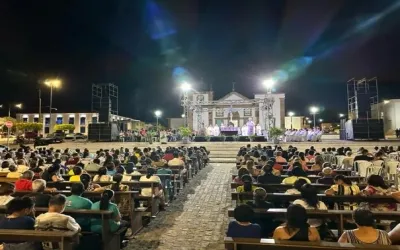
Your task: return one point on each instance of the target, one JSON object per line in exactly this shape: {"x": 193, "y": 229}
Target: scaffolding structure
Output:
{"x": 105, "y": 95}
{"x": 357, "y": 88}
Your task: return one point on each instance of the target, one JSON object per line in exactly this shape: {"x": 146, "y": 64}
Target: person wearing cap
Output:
{"x": 327, "y": 177}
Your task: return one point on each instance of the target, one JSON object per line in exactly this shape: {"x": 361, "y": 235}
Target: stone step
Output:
{"x": 223, "y": 160}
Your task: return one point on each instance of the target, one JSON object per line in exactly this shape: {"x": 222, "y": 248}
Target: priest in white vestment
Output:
{"x": 250, "y": 127}
{"x": 258, "y": 130}
{"x": 216, "y": 130}
{"x": 210, "y": 130}
{"x": 244, "y": 130}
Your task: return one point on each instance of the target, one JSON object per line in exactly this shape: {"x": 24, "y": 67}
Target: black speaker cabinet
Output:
{"x": 369, "y": 129}
{"x": 103, "y": 131}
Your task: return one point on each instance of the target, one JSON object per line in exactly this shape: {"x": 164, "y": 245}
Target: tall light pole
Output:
{"x": 267, "y": 105}
{"x": 52, "y": 83}
{"x": 314, "y": 110}
{"x": 185, "y": 87}
{"x": 158, "y": 114}
{"x": 291, "y": 114}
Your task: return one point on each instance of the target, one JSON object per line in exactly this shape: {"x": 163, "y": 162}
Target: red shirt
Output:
{"x": 168, "y": 157}
{"x": 23, "y": 185}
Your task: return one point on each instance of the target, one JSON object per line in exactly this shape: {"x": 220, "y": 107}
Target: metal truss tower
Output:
{"x": 105, "y": 95}
{"x": 362, "y": 98}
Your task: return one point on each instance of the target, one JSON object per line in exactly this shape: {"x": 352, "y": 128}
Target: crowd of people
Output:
{"x": 33, "y": 169}
{"x": 265, "y": 165}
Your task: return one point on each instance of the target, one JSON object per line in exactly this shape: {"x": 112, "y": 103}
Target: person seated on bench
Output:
{"x": 52, "y": 173}
{"x": 376, "y": 186}
{"x": 259, "y": 196}
{"x": 116, "y": 223}
{"x": 267, "y": 177}
{"x": 343, "y": 186}
{"x": 309, "y": 200}
{"x": 278, "y": 157}
{"x": 247, "y": 186}
{"x": 242, "y": 227}
{"x": 102, "y": 175}
{"x": 157, "y": 189}
{"x": 296, "y": 227}
{"x": 110, "y": 168}
{"x": 241, "y": 172}
{"x": 54, "y": 219}
{"x": 21, "y": 167}
{"x": 4, "y": 166}
{"x": 77, "y": 172}
{"x": 296, "y": 173}
{"x": 25, "y": 182}
{"x": 93, "y": 166}
{"x": 14, "y": 174}
{"x": 86, "y": 180}
{"x": 41, "y": 199}
{"x": 20, "y": 212}
{"x": 296, "y": 187}
{"x": 6, "y": 189}
{"x": 76, "y": 201}
{"x": 317, "y": 166}
{"x": 326, "y": 173}
{"x": 365, "y": 232}
{"x": 117, "y": 186}
{"x": 121, "y": 170}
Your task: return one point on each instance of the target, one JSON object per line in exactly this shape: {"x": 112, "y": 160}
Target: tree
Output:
{"x": 29, "y": 126}
{"x": 64, "y": 127}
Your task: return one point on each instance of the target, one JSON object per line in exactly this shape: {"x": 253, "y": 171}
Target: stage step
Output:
{"x": 223, "y": 160}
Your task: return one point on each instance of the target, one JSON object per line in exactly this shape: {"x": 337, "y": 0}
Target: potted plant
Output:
{"x": 274, "y": 134}
{"x": 185, "y": 133}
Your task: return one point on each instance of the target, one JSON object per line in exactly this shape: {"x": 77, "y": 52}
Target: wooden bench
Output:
{"x": 281, "y": 188}
{"x": 66, "y": 240}
{"x": 336, "y": 215}
{"x": 314, "y": 178}
{"x": 282, "y": 198}
{"x": 110, "y": 240}
{"x": 270, "y": 244}
{"x": 134, "y": 215}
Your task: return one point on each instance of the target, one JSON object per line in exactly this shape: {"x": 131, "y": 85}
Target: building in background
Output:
{"x": 235, "y": 108}
{"x": 389, "y": 111}
{"x": 80, "y": 120}
{"x": 295, "y": 122}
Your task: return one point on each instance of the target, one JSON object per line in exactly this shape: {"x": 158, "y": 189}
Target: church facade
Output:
{"x": 234, "y": 109}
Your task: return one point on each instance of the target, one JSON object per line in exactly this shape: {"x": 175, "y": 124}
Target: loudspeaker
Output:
{"x": 103, "y": 131}
{"x": 259, "y": 139}
{"x": 243, "y": 138}
{"x": 105, "y": 110}
{"x": 371, "y": 129}
{"x": 363, "y": 105}
{"x": 199, "y": 139}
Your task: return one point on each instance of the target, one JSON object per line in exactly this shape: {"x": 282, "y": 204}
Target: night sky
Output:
{"x": 147, "y": 46}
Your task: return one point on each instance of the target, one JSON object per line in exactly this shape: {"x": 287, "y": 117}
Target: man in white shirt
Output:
{"x": 54, "y": 220}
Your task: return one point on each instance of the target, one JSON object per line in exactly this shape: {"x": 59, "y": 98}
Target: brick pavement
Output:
{"x": 197, "y": 219}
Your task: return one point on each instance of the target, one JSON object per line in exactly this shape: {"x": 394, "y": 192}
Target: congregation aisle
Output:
{"x": 197, "y": 219}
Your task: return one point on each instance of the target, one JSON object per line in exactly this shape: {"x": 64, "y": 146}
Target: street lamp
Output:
{"x": 52, "y": 83}
{"x": 291, "y": 114}
{"x": 158, "y": 114}
{"x": 314, "y": 110}
{"x": 341, "y": 115}
{"x": 321, "y": 120}
{"x": 269, "y": 83}
{"x": 186, "y": 87}
{"x": 18, "y": 106}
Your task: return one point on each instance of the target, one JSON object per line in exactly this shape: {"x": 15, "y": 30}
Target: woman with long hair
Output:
{"x": 296, "y": 227}
{"x": 247, "y": 186}
{"x": 343, "y": 186}
{"x": 157, "y": 190}
{"x": 377, "y": 186}
{"x": 102, "y": 175}
{"x": 319, "y": 161}
{"x": 117, "y": 186}
{"x": 309, "y": 200}
{"x": 116, "y": 223}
